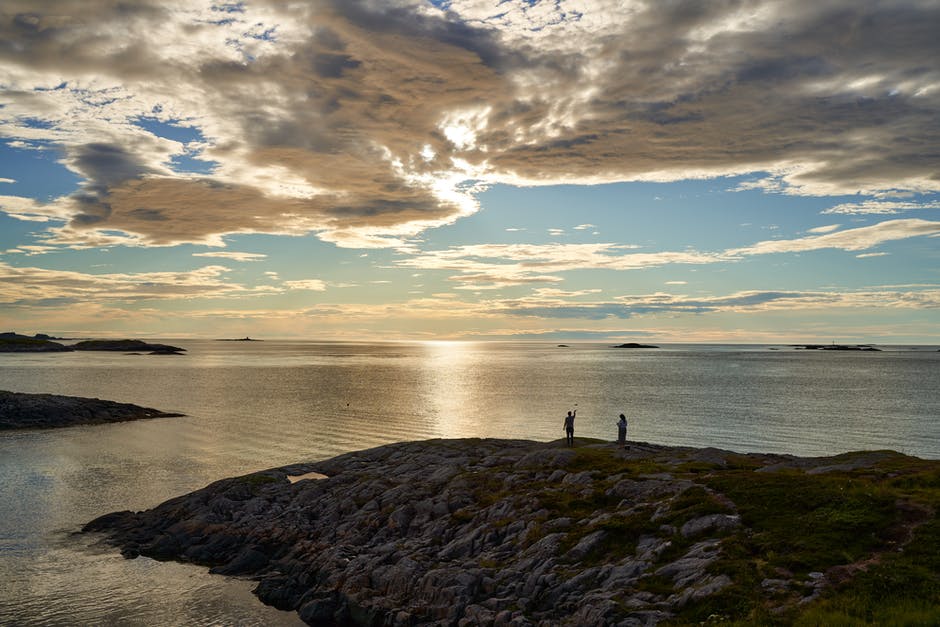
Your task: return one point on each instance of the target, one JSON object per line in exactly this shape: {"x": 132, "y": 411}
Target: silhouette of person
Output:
{"x": 622, "y": 431}
{"x": 569, "y": 427}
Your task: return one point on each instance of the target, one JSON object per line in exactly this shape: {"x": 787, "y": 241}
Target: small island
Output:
{"x": 238, "y": 339}
{"x": 40, "y": 343}
{"x": 128, "y": 346}
{"x": 634, "y": 345}
{"x": 836, "y": 347}
{"x": 11, "y": 342}
{"x": 43, "y": 411}
{"x": 513, "y": 532}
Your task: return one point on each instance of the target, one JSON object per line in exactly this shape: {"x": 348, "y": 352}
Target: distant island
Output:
{"x": 514, "y": 532}
{"x": 238, "y": 339}
{"x": 127, "y": 346}
{"x": 634, "y": 345}
{"x": 15, "y": 343}
{"x": 836, "y": 347}
{"x": 40, "y": 343}
{"x": 43, "y": 411}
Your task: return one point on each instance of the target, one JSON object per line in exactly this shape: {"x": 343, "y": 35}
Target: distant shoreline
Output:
{"x": 39, "y": 343}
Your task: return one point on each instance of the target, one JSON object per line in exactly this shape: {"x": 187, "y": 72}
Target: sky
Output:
{"x": 593, "y": 170}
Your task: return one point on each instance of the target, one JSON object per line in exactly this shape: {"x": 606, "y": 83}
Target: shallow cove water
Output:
{"x": 254, "y": 405}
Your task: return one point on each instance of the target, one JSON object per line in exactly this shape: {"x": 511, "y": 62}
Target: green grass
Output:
{"x": 805, "y": 523}
{"x": 800, "y": 523}
{"x": 694, "y": 503}
{"x": 902, "y": 588}
{"x": 603, "y": 462}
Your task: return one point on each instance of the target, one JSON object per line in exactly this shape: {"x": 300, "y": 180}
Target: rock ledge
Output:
{"x": 42, "y": 411}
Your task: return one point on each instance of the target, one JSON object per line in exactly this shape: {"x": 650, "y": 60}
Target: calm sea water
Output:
{"x": 254, "y": 405}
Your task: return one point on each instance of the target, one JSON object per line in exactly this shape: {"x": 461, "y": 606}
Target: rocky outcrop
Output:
{"x": 128, "y": 346}
{"x": 488, "y": 532}
{"x": 42, "y": 411}
{"x": 15, "y": 343}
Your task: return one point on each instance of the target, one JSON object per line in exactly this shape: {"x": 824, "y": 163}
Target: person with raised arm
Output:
{"x": 569, "y": 427}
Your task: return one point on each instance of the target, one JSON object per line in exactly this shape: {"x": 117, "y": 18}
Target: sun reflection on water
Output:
{"x": 450, "y": 378}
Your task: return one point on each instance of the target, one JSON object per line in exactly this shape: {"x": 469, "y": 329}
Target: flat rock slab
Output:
{"x": 43, "y": 411}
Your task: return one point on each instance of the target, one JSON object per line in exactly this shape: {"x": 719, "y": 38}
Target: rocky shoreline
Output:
{"x": 43, "y": 411}
{"x": 509, "y": 532}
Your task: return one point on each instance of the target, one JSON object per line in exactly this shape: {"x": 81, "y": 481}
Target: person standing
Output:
{"x": 622, "y": 431}
{"x": 569, "y": 427}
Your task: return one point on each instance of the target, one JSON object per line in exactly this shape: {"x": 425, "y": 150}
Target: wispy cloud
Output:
{"x": 314, "y": 285}
{"x": 879, "y": 207}
{"x": 489, "y": 266}
{"x": 38, "y": 286}
{"x": 740, "y": 302}
{"x": 234, "y": 256}
{"x": 860, "y": 238}
{"x": 829, "y": 228}
{"x": 484, "y": 266}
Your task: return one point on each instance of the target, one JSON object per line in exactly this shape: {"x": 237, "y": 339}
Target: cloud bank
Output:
{"x": 369, "y": 122}
{"x": 490, "y": 266}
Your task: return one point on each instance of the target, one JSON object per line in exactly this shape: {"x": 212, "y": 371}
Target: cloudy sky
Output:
{"x": 715, "y": 171}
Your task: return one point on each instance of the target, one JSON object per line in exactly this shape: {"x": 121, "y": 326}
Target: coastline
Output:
{"x": 520, "y": 532}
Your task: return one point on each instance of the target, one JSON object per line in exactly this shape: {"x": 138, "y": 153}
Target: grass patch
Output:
{"x": 656, "y": 584}
{"x": 806, "y": 523}
{"x": 603, "y": 461}
{"x": 903, "y": 588}
{"x": 463, "y": 515}
{"x": 599, "y": 460}
{"x": 694, "y": 503}
{"x": 797, "y": 523}
{"x": 562, "y": 503}
{"x": 623, "y": 533}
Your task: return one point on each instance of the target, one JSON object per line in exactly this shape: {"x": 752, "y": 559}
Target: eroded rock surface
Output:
{"x": 467, "y": 532}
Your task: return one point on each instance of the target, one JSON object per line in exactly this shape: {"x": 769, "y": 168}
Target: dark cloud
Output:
{"x": 106, "y": 164}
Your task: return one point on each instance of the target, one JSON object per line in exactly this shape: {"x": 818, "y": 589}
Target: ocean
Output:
{"x": 255, "y": 405}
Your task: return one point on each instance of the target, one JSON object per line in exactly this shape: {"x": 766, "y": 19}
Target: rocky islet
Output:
{"x": 11, "y": 342}
{"x": 43, "y": 411}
